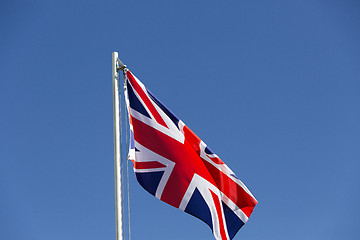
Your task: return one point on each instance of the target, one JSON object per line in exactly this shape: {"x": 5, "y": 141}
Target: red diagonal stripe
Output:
{"x": 219, "y": 213}
{"x": 216, "y": 160}
{"x": 145, "y": 99}
{"x": 147, "y": 165}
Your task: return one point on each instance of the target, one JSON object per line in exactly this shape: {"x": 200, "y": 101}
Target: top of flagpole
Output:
{"x": 120, "y": 66}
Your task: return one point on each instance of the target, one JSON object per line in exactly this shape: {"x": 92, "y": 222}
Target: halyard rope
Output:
{"x": 127, "y": 159}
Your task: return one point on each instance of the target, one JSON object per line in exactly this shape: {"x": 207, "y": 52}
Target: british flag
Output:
{"x": 177, "y": 167}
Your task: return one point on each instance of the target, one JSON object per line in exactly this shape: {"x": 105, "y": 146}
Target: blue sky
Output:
{"x": 271, "y": 86}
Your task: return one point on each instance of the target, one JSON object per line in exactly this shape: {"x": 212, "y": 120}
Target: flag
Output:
{"x": 177, "y": 167}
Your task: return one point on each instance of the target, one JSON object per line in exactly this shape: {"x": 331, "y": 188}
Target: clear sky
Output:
{"x": 273, "y": 87}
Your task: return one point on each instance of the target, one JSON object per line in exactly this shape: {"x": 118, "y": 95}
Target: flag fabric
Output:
{"x": 177, "y": 167}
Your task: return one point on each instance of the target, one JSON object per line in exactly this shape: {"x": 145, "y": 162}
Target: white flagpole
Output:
{"x": 117, "y": 149}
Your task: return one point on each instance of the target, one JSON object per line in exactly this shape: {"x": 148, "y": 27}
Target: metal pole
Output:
{"x": 117, "y": 153}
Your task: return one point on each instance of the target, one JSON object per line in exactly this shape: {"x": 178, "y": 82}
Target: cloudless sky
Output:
{"x": 273, "y": 87}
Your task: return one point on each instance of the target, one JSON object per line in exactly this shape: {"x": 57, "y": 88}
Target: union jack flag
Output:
{"x": 177, "y": 167}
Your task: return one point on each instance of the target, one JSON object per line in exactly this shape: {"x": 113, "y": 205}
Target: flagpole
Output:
{"x": 117, "y": 149}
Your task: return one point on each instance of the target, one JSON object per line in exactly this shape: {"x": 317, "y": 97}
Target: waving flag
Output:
{"x": 177, "y": 167}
